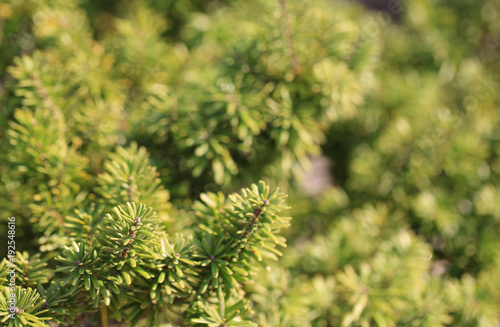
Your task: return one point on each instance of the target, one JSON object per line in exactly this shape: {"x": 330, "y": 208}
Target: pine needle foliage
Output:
{"x": 128, "y": 266}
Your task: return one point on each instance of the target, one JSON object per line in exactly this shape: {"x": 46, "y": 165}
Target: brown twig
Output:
{"x": 248, "y": 229}
{"x": 42, "y": 91}
{"x": 56, "y": 214}
{"x": 130, "y": 189}
{"x": 289, "y": 34}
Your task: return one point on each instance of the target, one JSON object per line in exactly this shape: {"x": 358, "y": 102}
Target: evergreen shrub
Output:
{"x": 123, "y": 125}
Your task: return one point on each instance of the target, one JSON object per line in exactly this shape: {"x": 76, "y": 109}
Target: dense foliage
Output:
{"x": 123, "y": 124}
